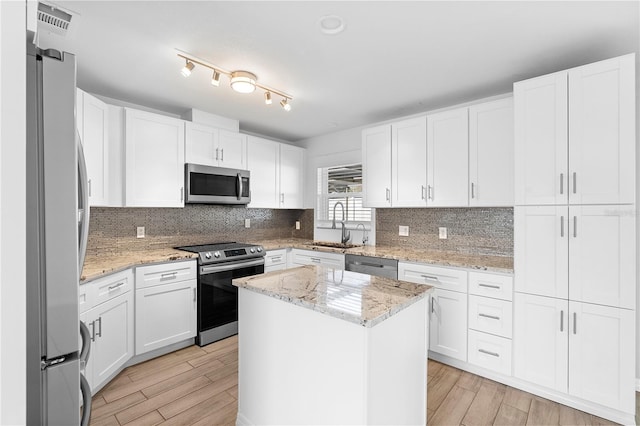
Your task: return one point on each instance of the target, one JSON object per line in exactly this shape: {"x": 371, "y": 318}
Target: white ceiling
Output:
{"x": 395, "y": 58}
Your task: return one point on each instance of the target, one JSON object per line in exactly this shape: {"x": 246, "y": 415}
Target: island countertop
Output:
{"x": 358, "y": 298}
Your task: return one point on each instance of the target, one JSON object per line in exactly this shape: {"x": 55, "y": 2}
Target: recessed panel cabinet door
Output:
{"x": 602, "y": 132}
{"x": 409, "y": 165}
{"x": 95, "y": 140}
{"x": 448, "y": 158}
{"x": 448, "y": 323}
{"x": 540, "y": 125}
{"x": 601, "y": 355}
{"x": 201, "y": 144}
{"x": 232, "y": 150}
{"x": 376, "y": 166}
{"x": 263, "y": 163}
{"x": 541, "y": 250}
{"x": 291, "y": 177}
{"x": 540, "y": 340}
{"x": 602, "y": 255}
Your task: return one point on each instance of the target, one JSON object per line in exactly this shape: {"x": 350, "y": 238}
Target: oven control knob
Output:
{"x": 207, "y": 255}
{"x": 259, "y": 249}
{"x": 252, "y": 250}
{"x": 216, "y": 254}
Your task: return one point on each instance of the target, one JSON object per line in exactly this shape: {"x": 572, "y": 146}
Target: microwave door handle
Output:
{"x": 239, "y": 185}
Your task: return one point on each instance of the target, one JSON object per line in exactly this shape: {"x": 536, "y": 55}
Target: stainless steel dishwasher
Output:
{"x": 372, "y": 265}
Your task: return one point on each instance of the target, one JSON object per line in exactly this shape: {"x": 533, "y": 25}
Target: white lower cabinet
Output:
{"x": 275, "y": 260}
{"x": 582, "y": 349}
{"x": 300, "y": 257}
{"x": 448, "y": 324}
{"x": 107, "y": 311}
{"x": 166, "y": 299}
{"x": 490, "y": 352}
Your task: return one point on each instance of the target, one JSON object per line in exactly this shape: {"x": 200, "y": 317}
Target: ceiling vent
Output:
{"x": 53, "y": 19}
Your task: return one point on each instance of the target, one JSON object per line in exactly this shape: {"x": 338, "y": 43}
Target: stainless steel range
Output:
{"x": 219, "y": 264}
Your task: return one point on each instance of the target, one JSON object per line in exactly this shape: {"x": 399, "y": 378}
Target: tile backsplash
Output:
{"x": 484, "y": 231}
{"x": 112, "y": 230}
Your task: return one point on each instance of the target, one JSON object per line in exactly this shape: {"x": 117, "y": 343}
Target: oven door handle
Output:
{"x": 212, "y": 269}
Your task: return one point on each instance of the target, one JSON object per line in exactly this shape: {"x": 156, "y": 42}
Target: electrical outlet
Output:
{"x": 403, "y": 231}
{"x": 442, "y": 233}
{"x": 247, "y": 223}
{"x": 140, "y": 232}
{"x": 297, "y": 225}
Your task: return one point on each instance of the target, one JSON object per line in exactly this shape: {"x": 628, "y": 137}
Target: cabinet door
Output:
{"x": 602, "y": 255}
{"x": 540, "y": 125}
{"x": 95, "y": 142}
{"x": 165, "y": 314}
{"x": 291, "y": 177}
{"x": 233, "y": 150}
{"x": 541, "y": 250}
{"x": 540, "y": 340}
{"x": 154, "y": 160}
{"x": 263, "y": 162}
{"x": 448, "y": 324}
{"x": 113, "y": 336}
{"x": 602, "y": 132}
{"x": 448, "y": 158}
{"x": 201, "y": 144}
{"x": 376, "y": 166}
{"x": 491, "y": 153}
{"x": 601, "y": 355}
{"x": 409, "y": 163}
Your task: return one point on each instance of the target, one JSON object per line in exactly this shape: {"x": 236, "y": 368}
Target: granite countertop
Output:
{"x": 358, "y": 298}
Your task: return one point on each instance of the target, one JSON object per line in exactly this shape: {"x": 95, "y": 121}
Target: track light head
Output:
{"x": 186, "y": 71}
{"x": 285, "y": 105}
{"x": 215, "y": 78}
{"x": 267, "y": 98}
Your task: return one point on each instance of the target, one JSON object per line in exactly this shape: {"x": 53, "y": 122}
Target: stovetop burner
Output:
{"x": 224, "y": 251}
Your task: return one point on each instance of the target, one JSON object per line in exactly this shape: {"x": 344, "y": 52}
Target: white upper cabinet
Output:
{"x": 491, "y": 154}
{"x": 262, "y": 161}
{"x": 448, "y": 158}
{"x": 376, "y": 166}
{"x": 154, "y": 153}
{"x": 93, "y": 124}
{"x": 575, "y": 135}
{"x": 214, "y": 147}
{"x": 409, "y": 163}
{"x": 291, "y": 177}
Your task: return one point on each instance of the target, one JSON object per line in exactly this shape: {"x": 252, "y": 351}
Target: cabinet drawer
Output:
{"x": 112, "y": 286}
{"x": 490, "y": 352}
{"x": 85, "y": 297}
{"x": 311, "y": 257}
{"x": 491, "y": 316}
{"x": 491, "y": 285}
{"x": 275, "y": 258}
{"x": 445, "y": 278}
{"x": 165, "y": 273}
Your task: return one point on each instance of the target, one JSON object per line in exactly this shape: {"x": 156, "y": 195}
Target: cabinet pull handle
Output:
{"x": 217, "y": 154}
{"x": 575, "y": 320}
{"x": 429, "y": 192}
{"x": 497, "y": 287}
{"x": 388, "y": 194}
{"x": 276, "y": 259}
{"x": 115, "y": 286}
{"x": 195, "y": 294}
{"x": 562, "y": 226}
{"x": 561, "y": 183}
{"x": 493, "y": 317}
{"x": 432, "y": 302}
{"x": 472, "y": 190}
{"x": 89, "y": 187}
{"x": 422, "y": 192}
{"x": 315, "y": 260}
{"x": 182, "y": 194}
{"x": 222, "y": 154}
{"x": 93, "y": 331}
{"x": 430, "y": 277}
{"x": 574, "y": 182}
{"x": 169, "y": 275}
{"x": 99, "y": 333}
{"x": 282, "y": 197}
{"x": 575, "y": 226}
{"x": 484, "y": 351}
{"x": 561, "y": 321}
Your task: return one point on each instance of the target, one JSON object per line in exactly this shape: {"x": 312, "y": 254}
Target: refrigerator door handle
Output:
{"x": 85, "y": 389}
{"x": 86, "y": 344}
{"x": 84, "y": 221}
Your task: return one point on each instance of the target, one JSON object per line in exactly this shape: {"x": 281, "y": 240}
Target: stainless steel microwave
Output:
{"x": 216, "y": 185}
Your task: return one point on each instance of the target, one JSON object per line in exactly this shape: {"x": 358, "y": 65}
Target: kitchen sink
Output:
{"x": 333, "y": 245}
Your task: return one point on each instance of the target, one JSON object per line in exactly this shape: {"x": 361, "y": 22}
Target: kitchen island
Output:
{"x": 326, "y": 346}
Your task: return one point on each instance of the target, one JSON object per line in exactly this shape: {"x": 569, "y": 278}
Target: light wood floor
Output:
{"x": 199, "y": 386}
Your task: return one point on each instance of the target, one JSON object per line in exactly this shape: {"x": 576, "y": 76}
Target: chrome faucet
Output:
{"x": 346, "y": 235}
{"x": 364, "y": 235}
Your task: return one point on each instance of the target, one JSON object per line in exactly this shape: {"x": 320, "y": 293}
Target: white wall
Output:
{"x": 12, "y": 212}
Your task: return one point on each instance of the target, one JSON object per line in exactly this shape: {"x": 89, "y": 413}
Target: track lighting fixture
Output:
{"x": 215, "y": 78}
{"x": 240, "y": 81}
{"x": 186, "y": 70}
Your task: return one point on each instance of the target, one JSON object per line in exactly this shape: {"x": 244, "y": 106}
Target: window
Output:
{"x": 341, "y": 184}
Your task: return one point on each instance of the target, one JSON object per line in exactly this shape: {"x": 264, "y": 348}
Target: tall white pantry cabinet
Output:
{"x": 575, "y": 235}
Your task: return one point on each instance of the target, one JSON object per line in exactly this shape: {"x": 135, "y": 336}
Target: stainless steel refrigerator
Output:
{"x": 57, "y": 222}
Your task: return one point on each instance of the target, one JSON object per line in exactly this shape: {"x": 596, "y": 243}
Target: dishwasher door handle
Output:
{"x": 373, "y": 265}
